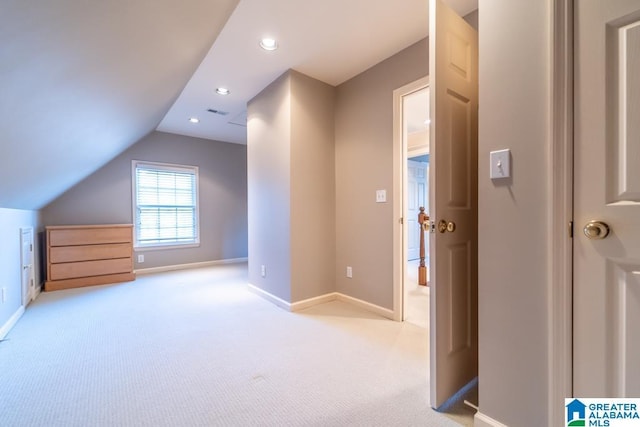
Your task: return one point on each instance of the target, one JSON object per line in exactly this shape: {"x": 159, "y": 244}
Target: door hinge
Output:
{"x": 401, "y": 221}
{"x": 571, "y": 229}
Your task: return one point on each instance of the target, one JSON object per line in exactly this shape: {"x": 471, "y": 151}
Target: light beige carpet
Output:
{"x": 196, "y": 348}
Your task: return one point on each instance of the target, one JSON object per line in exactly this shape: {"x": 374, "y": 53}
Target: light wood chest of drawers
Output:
{"x": 86, "y": 255}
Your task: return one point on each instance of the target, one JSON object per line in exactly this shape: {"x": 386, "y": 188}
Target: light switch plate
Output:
{"x": 500, "y": 164}
{"x": 381, "y": 196}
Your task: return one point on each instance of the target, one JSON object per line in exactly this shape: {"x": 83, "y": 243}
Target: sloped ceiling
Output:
{"x": 80, "y": 81}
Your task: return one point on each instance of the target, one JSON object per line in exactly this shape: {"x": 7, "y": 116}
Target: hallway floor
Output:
{"x": 417, "y": 297}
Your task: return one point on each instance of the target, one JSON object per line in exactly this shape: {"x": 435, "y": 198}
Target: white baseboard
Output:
{"x": 37, "y": 292}
{"x": 301, "y": 305}
{"x": 481, "y": 420}
{"x": 381, "y": 311}
{"x": 11, "y": 322}
{"x": 270, "y": 297}
{"x": 189, "y": 266}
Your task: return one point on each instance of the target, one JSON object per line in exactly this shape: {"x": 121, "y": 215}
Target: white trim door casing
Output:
{"x": 400, "y": 193}
{"x": 561, "y": 212}
{"x": 26, "y": 265}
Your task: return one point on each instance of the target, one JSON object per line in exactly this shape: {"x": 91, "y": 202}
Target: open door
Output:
{"x": 453, "y": 195}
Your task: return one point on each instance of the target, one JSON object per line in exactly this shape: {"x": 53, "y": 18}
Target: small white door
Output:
{"x": 26, "y": 265}
{"x": 453, "y": 193}
{"x": 416, "y": 198}
{"x": 606, "y": 299}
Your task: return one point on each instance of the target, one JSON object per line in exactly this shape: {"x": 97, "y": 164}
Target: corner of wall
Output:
{"x": 268, "y": 188}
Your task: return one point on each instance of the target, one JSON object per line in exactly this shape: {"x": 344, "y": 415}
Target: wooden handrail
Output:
{"x": 423, "y": 220}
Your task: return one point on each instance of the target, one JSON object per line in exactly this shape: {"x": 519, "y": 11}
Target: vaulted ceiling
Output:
{"x": 80, "y": 81}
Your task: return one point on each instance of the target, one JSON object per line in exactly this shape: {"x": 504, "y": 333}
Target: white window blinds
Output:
{"x": 166, "y": 204}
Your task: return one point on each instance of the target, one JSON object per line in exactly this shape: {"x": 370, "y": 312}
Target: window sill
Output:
{"x": 162, "y": 247}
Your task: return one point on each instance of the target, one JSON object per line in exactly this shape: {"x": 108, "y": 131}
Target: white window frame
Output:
{"x": 134, "y": 203}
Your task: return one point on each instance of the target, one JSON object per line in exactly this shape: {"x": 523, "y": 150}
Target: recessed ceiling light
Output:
{"x": 194, "y": 120}
{"x": 268, "y": 44}
{"x": 223, "y": 91}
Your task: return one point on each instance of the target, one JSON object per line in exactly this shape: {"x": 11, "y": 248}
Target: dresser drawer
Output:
{"x": 89, "y": 252}
{"x": 89, "y": 236}
{"x": 71, "y": 270}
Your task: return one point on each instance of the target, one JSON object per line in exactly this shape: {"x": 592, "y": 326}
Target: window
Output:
{"x": 165, "y": 200}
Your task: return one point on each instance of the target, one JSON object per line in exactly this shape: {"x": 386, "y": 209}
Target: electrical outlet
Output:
{"x": 141, "y": 258}
{"x": 349, "y": 272}
{"x": 263, "y": 271}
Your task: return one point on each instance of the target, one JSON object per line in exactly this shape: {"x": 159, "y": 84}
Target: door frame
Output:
{"x": 560, "y": 212}
{"x": 27, "y": 295}
{"x": 400, "y": 194}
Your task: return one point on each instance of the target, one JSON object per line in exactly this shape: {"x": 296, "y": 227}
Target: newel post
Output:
{"x": 423, "y": 220}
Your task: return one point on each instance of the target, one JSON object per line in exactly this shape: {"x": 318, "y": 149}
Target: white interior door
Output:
{"x": 416, "y": 198}
{"x": 607, "y": 189}
{"x": 26, "y": 264}
{"x": 453, "y": 193}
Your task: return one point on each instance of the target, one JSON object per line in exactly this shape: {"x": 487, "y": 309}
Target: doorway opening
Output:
{"x": 411, "y": 169}
{"x": 452, "y": 227}
{"x": 415, "y": 136}
{"x": 411, "y": 165}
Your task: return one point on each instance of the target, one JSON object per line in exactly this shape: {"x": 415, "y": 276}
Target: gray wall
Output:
{"x": 11, "y": 220}
{"x": 105, "y": 196}
{"x": 269, "y": 188}
{"x": 513, "y": 301}
{"x": 292, "y": 188}
{"x": 364, "y": 164}
{"x": 313, "y": 242}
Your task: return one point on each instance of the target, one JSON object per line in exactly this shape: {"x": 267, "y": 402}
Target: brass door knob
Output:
{"x": 444, "y": 226}
{"x": 596, "y": 230}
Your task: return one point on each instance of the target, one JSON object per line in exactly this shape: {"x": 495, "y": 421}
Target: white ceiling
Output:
{"x": 330, "y": 40}
{"x": 81, "y": 81}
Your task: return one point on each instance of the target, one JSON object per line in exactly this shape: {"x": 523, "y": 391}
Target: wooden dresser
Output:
{"x": 86, "y": 255}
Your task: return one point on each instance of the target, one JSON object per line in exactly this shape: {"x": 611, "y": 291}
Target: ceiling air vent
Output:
{"x": 220, "y": 112}
{"x": 239, "y": 120}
